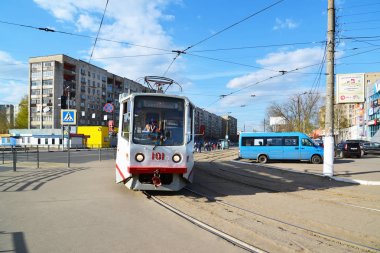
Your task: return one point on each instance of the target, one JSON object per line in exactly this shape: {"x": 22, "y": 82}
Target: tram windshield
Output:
{"x": 158, "y": 121}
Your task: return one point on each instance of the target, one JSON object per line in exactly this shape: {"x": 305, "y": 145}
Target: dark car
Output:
{"x": 371, "y": 148}
{"x": 361, "y": 143}
{"x": 349, "y": 149}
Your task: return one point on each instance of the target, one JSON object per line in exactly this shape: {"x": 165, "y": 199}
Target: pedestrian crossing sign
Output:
{"x": 68, "y": 117}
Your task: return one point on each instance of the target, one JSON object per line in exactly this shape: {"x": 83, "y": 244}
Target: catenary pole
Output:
{"x": 328, "y": 162}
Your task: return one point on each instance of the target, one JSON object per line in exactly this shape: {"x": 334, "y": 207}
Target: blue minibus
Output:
{"x": 279, "y": 146}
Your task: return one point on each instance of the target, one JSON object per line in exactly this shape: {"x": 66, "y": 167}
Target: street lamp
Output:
{"x": 228, "y": 118}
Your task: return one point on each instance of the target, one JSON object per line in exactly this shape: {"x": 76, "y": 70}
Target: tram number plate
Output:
{"x": 158, "y": 156}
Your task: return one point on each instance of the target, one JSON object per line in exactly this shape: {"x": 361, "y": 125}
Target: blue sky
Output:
{"x": 237, "y": 61}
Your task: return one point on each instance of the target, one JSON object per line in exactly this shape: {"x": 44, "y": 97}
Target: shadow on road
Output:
{"x": 220, "y": 179}
{"x": 17, "y": 239}
{"x": 32, "y": 179}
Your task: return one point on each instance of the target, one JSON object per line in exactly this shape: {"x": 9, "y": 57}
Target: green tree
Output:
{"x": 23, "y": 115}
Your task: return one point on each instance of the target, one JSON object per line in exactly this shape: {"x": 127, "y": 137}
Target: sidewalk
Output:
{"x": 364, "y": 171}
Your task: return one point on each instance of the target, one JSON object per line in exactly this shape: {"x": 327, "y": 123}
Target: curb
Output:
{"x": 339, "y": 179}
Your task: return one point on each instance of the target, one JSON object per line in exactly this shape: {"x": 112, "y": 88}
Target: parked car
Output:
{"x": 371, "y": 148}
{"x": 361, "y": 143}
{"x": 349, "y": 149}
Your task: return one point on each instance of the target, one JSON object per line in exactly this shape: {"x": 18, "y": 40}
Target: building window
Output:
{"x": 36, "y": 75}
{"x": 36, "y": 65}
{"x": 35, "y": 83}
{"x": 35, "y": 92}
{"x": 47, "y": 74}
{"x": 34, "y": 101}
{"x": 47, "y": 91}
{"x": 48, "y": 82}
{"x": 46, "y": 100}
{"x": 47, "y": 118}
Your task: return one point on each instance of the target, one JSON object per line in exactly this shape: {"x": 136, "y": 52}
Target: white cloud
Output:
{"x": 11, "y": 89}
{"x": 287, "y": 60}
{"x": 269, "y": 86}
{"x": 86, "y": 22}
{"x": 130, "y": 21}
{"x": 285, "y": 24}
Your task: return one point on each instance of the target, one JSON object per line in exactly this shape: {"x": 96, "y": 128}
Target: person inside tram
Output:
{"x": 147, "y": 128}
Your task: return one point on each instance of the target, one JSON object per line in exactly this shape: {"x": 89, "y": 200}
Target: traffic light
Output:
{"x": 63, "y": 102}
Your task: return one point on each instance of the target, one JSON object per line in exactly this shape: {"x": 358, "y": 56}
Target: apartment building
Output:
{"x": 212, "y": 126}
{"x": 85, "y": 87}
{"x": 359, "y": 115}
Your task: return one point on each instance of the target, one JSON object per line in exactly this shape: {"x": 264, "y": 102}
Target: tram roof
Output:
{"x": 125, "y": 96}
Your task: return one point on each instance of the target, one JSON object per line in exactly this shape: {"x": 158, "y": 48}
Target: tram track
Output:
{"x": 313, "y": 232}
{"x": 264, "y": 178}
{"x": 242, "y": 223}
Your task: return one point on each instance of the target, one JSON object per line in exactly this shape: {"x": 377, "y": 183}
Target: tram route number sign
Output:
{"x": 108, "y": 107}
{"x": 69, "y": 117}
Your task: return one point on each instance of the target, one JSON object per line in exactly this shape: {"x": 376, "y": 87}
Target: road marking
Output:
{"x": 362, "y": 207}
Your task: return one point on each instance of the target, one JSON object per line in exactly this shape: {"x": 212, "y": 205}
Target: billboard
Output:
{"x": 277, "y": 121}
{"x": 350, "y": 88}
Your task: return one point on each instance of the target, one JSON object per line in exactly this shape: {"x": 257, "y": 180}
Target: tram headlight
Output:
{"x": 139, "y": 157}
{"x": 176, "y": 158}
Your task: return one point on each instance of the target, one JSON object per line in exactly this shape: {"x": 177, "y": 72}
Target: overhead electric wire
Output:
{"x": 179, "y": 52}
{"x": 357, "y": 5}
{"x": 356, "y": 14}
{"x": 130, "y": 56}
{"x": 286, "y": 72}
{"x": 261, "y": 81}
{"x": 361, "y": 29}
{"x": 347, "y": 56}
{"x": 234, "y": 24}
{"x": 362, "y": 21}
{"x": 317, "y": 79}
{"x": 97, "y": 35}
{"x": 235, "y": 63}
{"x": 81, "y": 35}
{"x": 260, "y": 46}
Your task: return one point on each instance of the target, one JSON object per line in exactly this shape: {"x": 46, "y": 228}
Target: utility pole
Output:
{"x": 328, "y": 162}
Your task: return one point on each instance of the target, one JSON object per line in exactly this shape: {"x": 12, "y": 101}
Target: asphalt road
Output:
{"x": 81, "y": 209}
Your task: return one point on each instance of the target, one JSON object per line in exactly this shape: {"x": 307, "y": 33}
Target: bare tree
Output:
{"x": 300, "y": 113}
{"x": 340, "y": 121}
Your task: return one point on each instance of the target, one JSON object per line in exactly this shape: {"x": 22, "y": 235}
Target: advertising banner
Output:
{"x": 350, "y": 88}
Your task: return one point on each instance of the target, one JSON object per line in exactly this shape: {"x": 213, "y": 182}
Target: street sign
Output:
{"x": 68, "y": 117}
{"x": 108, "y": 107}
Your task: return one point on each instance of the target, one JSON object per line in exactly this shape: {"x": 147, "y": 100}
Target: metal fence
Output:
{"x": 35, "y": 155}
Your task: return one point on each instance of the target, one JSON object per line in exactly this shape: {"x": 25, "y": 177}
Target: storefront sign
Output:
{"x": 377, "y": 87}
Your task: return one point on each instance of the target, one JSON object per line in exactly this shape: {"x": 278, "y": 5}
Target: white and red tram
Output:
{"x": 155, "y": 142}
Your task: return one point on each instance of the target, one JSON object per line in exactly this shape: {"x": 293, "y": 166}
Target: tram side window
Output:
{"x": 190, "y": 124}
{"x": 126, "y": 120}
